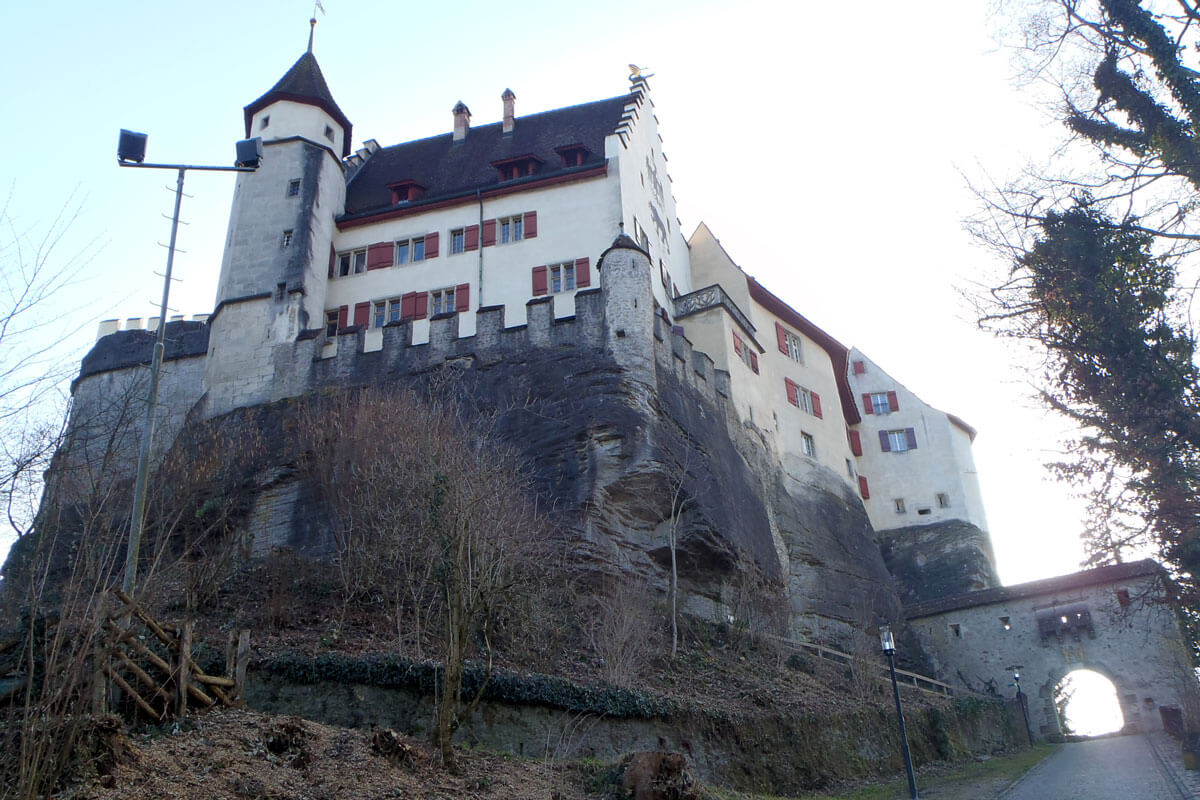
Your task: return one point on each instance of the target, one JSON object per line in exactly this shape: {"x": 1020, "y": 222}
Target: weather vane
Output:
{"x": 312, "y": 22}
{"x": 638, "y": 73}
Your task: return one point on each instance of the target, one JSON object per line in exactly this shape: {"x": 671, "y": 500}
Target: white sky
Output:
{"x": 823, "y": 143}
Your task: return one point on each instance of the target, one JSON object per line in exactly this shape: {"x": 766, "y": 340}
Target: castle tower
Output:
{"x": 281, "y": 227}
{"x": 629, "y": 307}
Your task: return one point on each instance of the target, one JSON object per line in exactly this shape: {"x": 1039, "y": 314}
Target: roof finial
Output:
{"x": 312, "y": 23}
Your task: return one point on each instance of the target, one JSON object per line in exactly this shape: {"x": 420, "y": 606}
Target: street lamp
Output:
{"x": 131, "y": 152}
{"x": 888, "y": 643}
{"x": 1016, "y": 673}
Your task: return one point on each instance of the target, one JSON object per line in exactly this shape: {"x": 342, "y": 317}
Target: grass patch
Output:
{"x": 970, "y": 781}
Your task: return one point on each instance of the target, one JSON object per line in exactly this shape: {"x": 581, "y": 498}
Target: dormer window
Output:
{"x": 518, "y": 167}
{"x": 573, "y": 155}
{"x": 406, "y": 191}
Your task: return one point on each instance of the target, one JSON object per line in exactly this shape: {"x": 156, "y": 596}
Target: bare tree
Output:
{"x": 432, "y": 513}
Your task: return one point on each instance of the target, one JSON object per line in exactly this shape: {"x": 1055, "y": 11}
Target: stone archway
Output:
{"x": 1043, "y": 715}
{"x": 1115, "y": 620}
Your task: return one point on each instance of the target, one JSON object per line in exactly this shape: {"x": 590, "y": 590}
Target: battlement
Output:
{"x": 108, "y": 326}
{"x": 346, "y": 359}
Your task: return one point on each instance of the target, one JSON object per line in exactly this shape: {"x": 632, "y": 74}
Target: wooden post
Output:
{"x": 99, "y": 679}
{"x": 243, "y": 658}
{"x": 230, "y": 653}
{"x": 185, "y": 666}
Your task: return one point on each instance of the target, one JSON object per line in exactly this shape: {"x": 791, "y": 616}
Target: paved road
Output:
{"x": 1121, "y": 768}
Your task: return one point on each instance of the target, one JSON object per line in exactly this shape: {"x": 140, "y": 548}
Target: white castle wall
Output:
{"x": 942, "y": 462}
{"x": 575, "y": 220}
{"x": 636, "y": 155}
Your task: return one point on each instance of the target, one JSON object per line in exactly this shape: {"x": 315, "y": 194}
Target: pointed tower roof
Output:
{"x": 303, "y": 83}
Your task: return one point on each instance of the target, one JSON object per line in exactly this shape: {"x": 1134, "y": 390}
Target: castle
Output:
{"x": 541, "y": 256}
{"x": 473, "y": 231}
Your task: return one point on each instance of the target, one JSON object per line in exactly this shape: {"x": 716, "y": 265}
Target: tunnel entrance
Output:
{"x": 1087, "y": 705}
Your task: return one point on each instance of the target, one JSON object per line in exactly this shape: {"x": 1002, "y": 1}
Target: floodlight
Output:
{"x": 131, "y": 147}
{"x": 249, "y": 153}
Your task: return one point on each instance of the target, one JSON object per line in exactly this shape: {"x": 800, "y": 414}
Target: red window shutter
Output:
{"x": 421, "y": 311}
{"x": 362, "y": 314}
{"x": 863, "y": 489}
{"x": 530, "y": 224}
{"x": 737, "y": 344}
{"x": 583, "y": 272}
{"x": 431, "y": 245}
{"x": 489, "y": 232}
{"x": 860, "y": 368}
{"x": 471, "y": 237}
{"x": 380, "y": 255}
{"x": 462, "y": 297}
{"x": 332, "y": 260}
{"x": 539, "y": 281}
{"x": 867, "y": 407}
{"x": 816, "y": 398}
{"x": 884, "y": 443}
{"x": 408, "y": 306}
{"x": 781, "y": 336}
{"x": 893, "y": 402}
{"x": 754, "y": 361}
{"x": 855, "y": 443}
{"x": 911, "y": 435}
{"x": 343, "y": 317}
{"x": 792, "y": 395}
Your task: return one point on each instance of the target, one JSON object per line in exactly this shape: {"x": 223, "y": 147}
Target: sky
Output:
{"x": 828, "y": 146}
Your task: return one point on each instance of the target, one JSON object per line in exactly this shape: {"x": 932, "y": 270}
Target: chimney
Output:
{"x": 510, "y": 102}
{"x": 462, "y": 120}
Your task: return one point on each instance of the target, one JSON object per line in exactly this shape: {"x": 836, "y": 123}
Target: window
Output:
{"x": 860, "y": 367}
{"x": 293, "y": 188}
{"x": 329, "y": 133}
{"x": 458, "y": 240}
{"x": 898, "y": 441}
{"x": 808, "y": 445}
{"x": 943, "y": 500}
{"x": 352, "y": 262}
{"x": 880, "y": 403}
{"x": 850, "y": 468}
{"x": 924, "y": 511}
{"x": 956, "y": 629}
{"x": 1006, "y": 623}
{"x": 1123, "y": 598}
{"x": 562, "y": 277}
{"x": 286, "y": 241}
{"x": 408, "y": 250}
{"x": 331, "y": 323}
{"x": 899, "y": 503}
{"x": 789, "y": 344}
{"x": 803, "y": 398}
{"x": 442, "y": 301}
{"x": 387, "y": 312}
{"x": 512, "y": 229}
{"x": 745, "y": 352}
{"x": 639, "y": 234}
{"x": 266, "y": 120}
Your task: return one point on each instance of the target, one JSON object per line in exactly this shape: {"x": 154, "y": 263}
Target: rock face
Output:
{"x": 939, "y": 560}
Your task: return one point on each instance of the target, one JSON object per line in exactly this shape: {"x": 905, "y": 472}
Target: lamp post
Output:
{"x": 888, "y": 643}
{"x": 131, "y": 152}
{"x": 1016, "y": 673}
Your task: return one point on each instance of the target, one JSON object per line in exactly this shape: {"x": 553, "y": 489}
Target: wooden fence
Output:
{"x": 151, "y": 664}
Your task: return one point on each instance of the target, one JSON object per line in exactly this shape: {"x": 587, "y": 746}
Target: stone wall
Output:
{"x": 1129, "y": 634}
